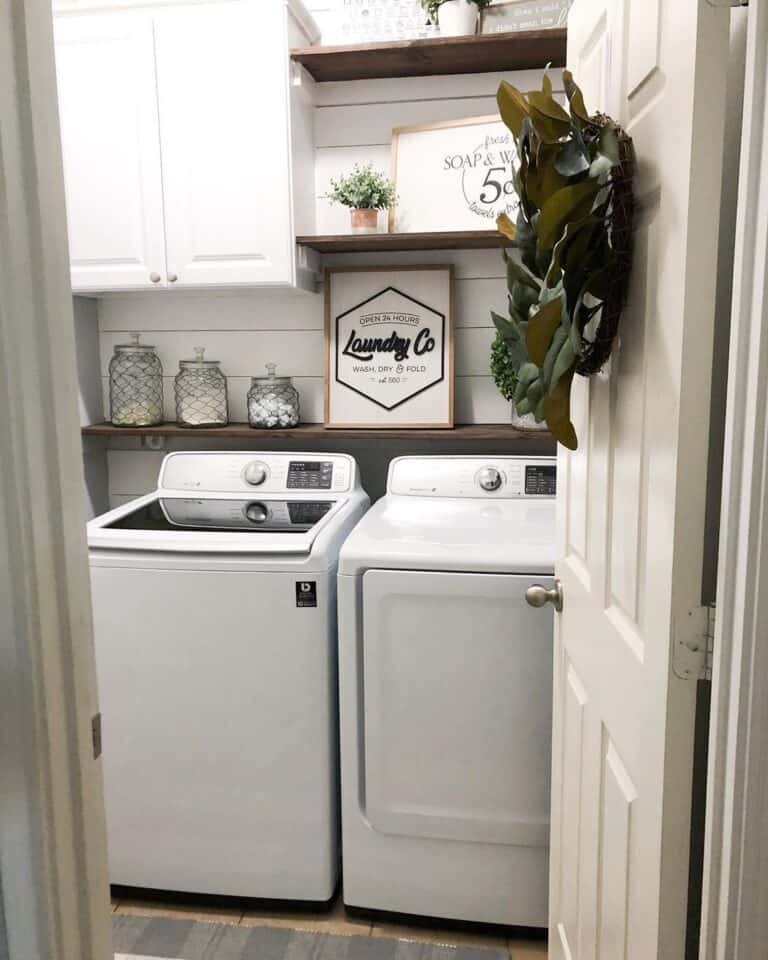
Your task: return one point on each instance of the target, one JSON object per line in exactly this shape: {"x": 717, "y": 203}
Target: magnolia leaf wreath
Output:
{"x": 569, "y": 254}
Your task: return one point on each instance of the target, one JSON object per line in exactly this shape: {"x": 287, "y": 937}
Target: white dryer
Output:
{"x": 215, "y": 625}
{"x": 446, "y": 691}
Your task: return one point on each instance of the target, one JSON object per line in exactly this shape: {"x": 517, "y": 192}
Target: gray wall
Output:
{"x": 3, "y": 938}
{"x": 730, "y": 186}
{"x": 91, "y": 402}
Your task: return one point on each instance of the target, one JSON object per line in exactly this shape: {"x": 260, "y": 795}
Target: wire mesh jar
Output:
{"x": 272, "y": 401}
{"x": 135, "y": 385}
{"x": 201, "y": 393}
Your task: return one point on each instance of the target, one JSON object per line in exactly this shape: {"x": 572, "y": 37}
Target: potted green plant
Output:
{"x": 365, "y": 191}
{"x": 455, "y": 17}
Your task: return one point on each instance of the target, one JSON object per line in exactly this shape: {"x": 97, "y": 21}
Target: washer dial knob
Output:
{"x": 489, "y": 479}
{"x": 256, "y": 512}
{"x": 255, "y": 473}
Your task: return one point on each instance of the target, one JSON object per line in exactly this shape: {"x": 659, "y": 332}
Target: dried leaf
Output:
{"x": 575, "y": 97}
{"x": 570, "y": 203}
{"x": 512, "y": 107}
{"x": 541, "y": 329}
{"x": 505, "y": 226}
{"x": 557, "y": 413}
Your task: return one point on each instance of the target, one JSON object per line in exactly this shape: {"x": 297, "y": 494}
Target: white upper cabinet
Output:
{"x": 111, "y": 145}
{"x": 179, "y": 154}
{"x": 223, "y": 93}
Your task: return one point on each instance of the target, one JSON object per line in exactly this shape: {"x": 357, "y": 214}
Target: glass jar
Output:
{"x": 272, "y": 401}
{"x": 201, "y": 393}
{"x": 135, "y": 385}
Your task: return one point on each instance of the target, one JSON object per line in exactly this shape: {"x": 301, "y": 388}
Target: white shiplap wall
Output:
{"x": 245, "y": 330}
{"x": 353, "y": 122}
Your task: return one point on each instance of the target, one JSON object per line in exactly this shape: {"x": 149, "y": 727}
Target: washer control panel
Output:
{"x": 494, "y": 477}
{"x": 310, "y": 474}
{"x": 266, "y": 472}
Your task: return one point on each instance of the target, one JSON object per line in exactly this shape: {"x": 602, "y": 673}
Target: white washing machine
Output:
{"x": 215, "y": 625}
{"x": 446, "y": 691}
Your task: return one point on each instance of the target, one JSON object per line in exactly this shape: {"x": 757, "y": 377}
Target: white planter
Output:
{"x": 457, "y": 18}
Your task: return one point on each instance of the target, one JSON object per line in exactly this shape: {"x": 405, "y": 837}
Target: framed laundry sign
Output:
{"x": 454, "y": 175}
{"x": 389, "y": 347}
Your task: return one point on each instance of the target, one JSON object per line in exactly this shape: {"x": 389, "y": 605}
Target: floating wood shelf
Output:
{"x": 388, "y": 242}
{"x": 487, "y": 53}
{"x": 316, "y": 431}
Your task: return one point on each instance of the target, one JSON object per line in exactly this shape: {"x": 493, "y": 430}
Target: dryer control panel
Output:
{"x": 265, "y": 473}
{"x": 457, "y": 477}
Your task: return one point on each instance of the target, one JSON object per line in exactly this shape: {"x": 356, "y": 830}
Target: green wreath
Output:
{"x": 568, "y": 282}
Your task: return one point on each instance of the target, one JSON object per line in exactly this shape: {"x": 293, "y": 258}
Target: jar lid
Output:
{"x": 198, "y": 362}
{"x": 134, "y": 346}
{"x": 270, "y": 377}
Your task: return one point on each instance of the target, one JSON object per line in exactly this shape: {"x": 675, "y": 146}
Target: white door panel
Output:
{"x": 225, "y": 142}
{"x": 631, "y": 500}
{"x": 111, "y": 147}
{"x": 456, "y": 667}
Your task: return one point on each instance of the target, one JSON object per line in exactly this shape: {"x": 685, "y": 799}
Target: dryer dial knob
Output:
{"x": 256, "y": 512}
{"x": 255, "y": 473}
{"x": 489, "y": 479}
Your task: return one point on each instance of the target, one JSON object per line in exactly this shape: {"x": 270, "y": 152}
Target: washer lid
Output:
{"x": 258, "y": 525}
{"x": 470, "y": 535}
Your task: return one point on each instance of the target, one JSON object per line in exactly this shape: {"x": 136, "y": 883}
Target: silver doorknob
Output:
{"x": 538, "y": 596}
{"x": 172, "y": 277}
{"x": 155, "y": 277}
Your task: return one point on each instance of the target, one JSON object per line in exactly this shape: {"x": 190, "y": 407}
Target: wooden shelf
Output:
{"x": 316, "y": 431}
{"x": 486, "y": 53}
{"x": 388, "y": 242}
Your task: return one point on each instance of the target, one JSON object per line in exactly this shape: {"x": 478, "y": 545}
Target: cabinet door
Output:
{"x": 111, "y": 144}
{"x": 222, "y": 82}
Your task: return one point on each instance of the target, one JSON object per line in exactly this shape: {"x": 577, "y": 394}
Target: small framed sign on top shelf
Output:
{"x": 519, "y": 15}
{"x": 389, "y": 347}
{"x": 453, "y": 175}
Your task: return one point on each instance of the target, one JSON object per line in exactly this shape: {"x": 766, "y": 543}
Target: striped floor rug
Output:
{"x": 165, "y": 938}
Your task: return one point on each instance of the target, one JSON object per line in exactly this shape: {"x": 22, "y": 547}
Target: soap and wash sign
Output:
{"x": 454, "y": 175}
{"x": 389, "y": 347}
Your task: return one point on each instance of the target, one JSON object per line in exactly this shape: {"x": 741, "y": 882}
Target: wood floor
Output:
{"x": 335, "y": 921}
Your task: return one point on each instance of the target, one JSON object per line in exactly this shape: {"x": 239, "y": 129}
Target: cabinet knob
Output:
{"x": 155, "y": 277}
{"x": 172, "y": 278}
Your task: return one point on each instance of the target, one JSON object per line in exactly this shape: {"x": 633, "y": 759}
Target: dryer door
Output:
{"x": 458, "y": 698}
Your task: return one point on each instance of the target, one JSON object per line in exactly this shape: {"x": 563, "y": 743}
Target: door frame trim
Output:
{"x": 55, "y": 895}
{"x": 736, "y": 853}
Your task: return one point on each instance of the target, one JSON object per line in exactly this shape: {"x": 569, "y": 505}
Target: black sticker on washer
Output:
{"x": 306, "y": 593}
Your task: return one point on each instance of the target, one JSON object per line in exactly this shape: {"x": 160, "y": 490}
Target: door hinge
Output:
{"x": 694, "y": 644}
{"x": 96, "y": 735}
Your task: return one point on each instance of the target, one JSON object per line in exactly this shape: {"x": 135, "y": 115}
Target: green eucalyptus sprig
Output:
{"x": 363, "y": 189}
{"x": 563, "y": 256}
{"x": 433, "y": 6}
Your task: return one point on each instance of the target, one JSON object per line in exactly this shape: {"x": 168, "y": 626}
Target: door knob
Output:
{"x": 172, "y": 277}
{"x": 155, "y": 277}
{"x": 538, "y": 596}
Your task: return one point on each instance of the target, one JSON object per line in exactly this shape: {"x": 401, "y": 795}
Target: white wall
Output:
{"x": 353, "y": 122}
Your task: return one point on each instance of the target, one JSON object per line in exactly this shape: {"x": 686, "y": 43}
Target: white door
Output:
{"x": 111, "y": 145}
{"x": 223, "y": 91}
{"x": 631, "y": 501}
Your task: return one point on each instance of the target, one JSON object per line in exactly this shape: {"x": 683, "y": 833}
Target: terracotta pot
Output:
{"x": 364, "y": 220}
{"x": 457, "y": 18}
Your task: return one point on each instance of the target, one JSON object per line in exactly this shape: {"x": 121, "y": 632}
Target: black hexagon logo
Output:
{"x": 390, "y": 348}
